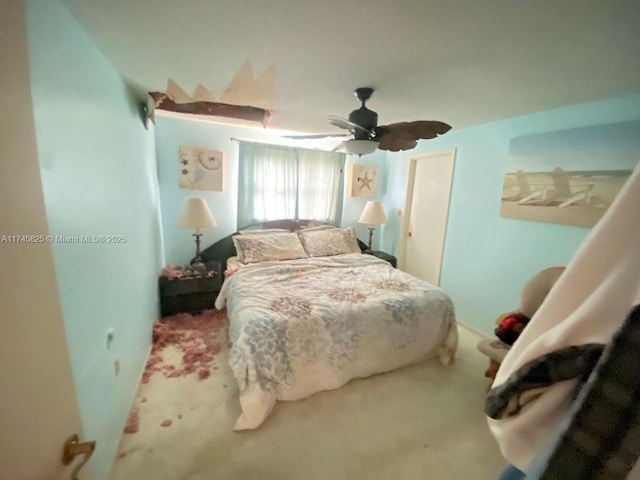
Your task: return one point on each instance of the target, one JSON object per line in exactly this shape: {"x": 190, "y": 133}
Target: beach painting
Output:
{"x": 569, "y": 176}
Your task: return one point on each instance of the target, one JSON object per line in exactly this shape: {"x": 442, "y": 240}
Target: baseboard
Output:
{"x": 472, "y": 329}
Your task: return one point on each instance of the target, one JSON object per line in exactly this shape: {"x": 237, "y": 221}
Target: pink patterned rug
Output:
{"x": 183, "y": 345}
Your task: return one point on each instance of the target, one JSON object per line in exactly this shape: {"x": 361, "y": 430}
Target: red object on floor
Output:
{"x": 195, "y": 335}
{"x": 133, "y": 423}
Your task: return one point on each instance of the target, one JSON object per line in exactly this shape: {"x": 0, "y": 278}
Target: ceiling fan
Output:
{"x": 367, "y": 135}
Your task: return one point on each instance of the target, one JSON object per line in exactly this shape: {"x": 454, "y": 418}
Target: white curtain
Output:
{"x": 282, "y": 182}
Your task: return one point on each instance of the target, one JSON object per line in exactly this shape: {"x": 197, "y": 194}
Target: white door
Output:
{"x": 37, "y": 403}
{"x": 426, "y": 212}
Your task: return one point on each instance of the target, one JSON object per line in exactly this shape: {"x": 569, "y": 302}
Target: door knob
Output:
{"x": 73, "y": 447}
{"x": 408, "y": 234}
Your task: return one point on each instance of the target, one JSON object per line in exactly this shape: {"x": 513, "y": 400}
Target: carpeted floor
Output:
{"x": 421, "y": 422}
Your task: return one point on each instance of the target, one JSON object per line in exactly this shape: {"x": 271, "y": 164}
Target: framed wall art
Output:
{"x": 363, "y": 180}
{"x": 569, "y": 176}
{"x": 200, "y": 169}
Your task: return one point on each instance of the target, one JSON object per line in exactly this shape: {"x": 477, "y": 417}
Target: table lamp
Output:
{"x": 195, "y": 213}
{"x": 373, "y": 213}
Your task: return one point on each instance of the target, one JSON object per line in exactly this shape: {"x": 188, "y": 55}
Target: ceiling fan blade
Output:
{"x": 420, "y": 129}
{"x": 396, "y": 144}
{"x": 346, "y": 124}
{"x": 405, "y": 135}
{"x": 317, "y": 135}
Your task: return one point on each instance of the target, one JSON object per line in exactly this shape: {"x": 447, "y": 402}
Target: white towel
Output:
{"x": 587, "y": 304}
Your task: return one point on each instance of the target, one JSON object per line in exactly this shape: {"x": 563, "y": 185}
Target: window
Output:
{"x": 283, "y": 182}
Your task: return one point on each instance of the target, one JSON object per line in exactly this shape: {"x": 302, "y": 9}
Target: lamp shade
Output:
{"x": 373, "y": 213}
{"x": 195, "y": 213}
{"x": 360, "y": 147}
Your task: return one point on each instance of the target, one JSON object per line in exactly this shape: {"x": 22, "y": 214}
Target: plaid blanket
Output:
{"x": 599, "y": 440}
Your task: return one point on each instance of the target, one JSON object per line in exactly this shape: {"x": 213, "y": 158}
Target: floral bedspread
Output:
{"x": 306, "y": 325}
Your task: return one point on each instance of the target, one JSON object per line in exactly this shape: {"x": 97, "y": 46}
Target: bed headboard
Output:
{"x": 216, "y": 255}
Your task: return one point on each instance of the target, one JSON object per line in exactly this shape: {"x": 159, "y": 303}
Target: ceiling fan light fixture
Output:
{"x": 360, "y": 147}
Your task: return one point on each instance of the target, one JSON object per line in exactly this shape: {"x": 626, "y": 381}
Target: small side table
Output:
{"x": 190, "y": 292}
{"x": 496, "y": 350}
{"x": 384, "y": 256}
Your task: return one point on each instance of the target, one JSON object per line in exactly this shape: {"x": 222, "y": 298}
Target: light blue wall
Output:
{"x": 179, "y": 244}
{"x": 172, "y": 132}
{"x": 487, "y": 258}
{"x": 99, "y": 178}
{"x": 353, "y": 206}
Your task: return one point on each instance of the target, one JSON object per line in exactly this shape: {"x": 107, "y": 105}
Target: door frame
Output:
{"x": 39, "y": 402}
{"x": 411, "y": 174}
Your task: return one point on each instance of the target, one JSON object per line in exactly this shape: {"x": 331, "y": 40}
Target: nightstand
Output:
{"x": 188, "y": 291}
{"x": 384, "y": 256}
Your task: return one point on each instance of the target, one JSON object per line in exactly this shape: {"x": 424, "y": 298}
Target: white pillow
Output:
{"x": 335, "y": 241}
{"x": 274, "y": 246}
{"x": 255, "y": 232}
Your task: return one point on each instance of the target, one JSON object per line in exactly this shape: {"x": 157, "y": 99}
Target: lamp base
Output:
{"x": 371, "y": 229}
{"x": 198, "y": 264}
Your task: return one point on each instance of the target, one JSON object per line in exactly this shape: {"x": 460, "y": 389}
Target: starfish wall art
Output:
{"x": 364, "y": 180}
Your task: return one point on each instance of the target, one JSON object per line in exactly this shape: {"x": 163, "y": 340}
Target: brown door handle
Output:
{"x": 408, "y": 234}
{"x": 72, "y": 448}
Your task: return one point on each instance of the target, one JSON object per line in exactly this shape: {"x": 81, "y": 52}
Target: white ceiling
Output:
{"x": 464, "y": 62}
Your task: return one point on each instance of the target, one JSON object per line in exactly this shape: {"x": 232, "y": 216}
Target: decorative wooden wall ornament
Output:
{"x": 245, "y": 90}
{"x": 245, "y": 98}
{"x": 253, "y": 114}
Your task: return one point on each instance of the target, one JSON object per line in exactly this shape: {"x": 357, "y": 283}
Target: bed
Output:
{"x": 309, "y": 311}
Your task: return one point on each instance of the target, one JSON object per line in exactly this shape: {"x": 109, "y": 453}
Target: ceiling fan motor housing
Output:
{"x": 364, "y": 117}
